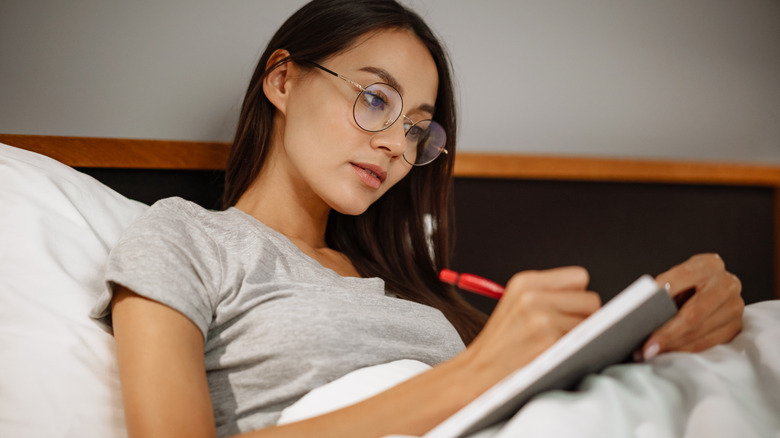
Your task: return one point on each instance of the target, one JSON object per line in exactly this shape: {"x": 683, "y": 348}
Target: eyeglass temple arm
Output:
{"x": 360, "y": 87}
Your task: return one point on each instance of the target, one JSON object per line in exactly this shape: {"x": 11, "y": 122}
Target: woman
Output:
{"x": 322, "y": 264}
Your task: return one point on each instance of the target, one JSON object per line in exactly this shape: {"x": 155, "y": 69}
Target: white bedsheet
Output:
{"x": 731, "y": 390}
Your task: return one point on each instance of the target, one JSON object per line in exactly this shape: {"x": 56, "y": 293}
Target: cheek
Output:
{"x": 323, "y": 125}
{"x": 320, "y": 106}
{"x": 306, "y": 131}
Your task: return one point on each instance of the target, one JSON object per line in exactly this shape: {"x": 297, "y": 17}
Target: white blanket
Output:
{"x": 731, "y": 390}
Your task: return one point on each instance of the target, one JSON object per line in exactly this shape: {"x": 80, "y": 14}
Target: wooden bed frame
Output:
{"x": 111, "y": 153}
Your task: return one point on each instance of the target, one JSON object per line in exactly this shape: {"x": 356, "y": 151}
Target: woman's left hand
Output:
{"x": 711, "y": 315}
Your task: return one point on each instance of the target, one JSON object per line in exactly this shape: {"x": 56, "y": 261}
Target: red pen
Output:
{"x": 472, "y": 283}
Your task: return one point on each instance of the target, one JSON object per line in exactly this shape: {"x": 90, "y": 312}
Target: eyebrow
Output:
{"x": 386, "y": 77}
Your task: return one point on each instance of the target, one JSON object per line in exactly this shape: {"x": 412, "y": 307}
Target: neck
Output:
{"x": 278, "y": 200}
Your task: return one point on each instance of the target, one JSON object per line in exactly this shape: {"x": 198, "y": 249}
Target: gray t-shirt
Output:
{"x": 276, "y": 323}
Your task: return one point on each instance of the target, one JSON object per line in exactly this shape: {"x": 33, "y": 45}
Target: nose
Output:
{"x": 392, "y": 140}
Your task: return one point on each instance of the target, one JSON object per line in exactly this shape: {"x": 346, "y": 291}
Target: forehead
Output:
{"x": 399, "y": 53}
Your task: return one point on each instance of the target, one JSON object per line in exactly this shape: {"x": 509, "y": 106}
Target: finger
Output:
{"x": 711, "y": 338}
{"x": 716, "y": 303}
{"x": 693, "y": 326}
{"x": 687, "y": 324}
{"x": 569, "y": 277}
{"x": 552, "y": 325}
{"x": 567, "y": 322}
{"x": 708, "y": 340}
{"x": 692, "y": 273}
{"x": 575, "y": 303}
{"x": 709, "y": 286}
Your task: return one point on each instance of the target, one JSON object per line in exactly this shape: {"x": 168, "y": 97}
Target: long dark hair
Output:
{"x": 404, "y": 237}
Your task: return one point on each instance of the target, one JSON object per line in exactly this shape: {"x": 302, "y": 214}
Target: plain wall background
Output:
{"x": 660, "y": 79}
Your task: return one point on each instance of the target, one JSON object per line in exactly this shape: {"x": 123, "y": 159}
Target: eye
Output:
{"x": 413, "y": 132}
{"x": 375, "y": 101}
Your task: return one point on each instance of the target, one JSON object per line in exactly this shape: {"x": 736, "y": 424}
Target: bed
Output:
{"x": 60, "y": 218}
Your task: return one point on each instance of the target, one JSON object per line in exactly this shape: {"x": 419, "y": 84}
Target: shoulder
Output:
{"x": 183, "y": 224}
{"x": 173, "y": 217}
{"x": 176, "y": 209}
{"x": 174, "y": 229}
{"x": 169, "y": 255}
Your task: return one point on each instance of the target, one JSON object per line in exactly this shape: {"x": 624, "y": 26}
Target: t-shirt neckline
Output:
{"x": 291, "y": 248}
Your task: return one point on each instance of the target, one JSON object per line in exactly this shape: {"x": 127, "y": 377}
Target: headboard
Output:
{"x": 617, "y": 217}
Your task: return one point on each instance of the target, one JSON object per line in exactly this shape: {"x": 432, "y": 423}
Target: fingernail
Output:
{"x": 651, "y": 351}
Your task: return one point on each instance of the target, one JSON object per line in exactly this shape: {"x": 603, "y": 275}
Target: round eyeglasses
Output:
{"x": 379, "y": 105}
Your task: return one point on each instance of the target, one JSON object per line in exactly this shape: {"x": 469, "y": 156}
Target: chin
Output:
{"x": 353, "y": 206}
{"x": 352, "y": 210}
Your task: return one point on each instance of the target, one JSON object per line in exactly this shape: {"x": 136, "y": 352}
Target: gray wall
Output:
{"x": 661, "y": 79}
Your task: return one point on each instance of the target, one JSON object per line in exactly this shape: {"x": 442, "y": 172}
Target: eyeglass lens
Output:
{"x": 424, "y": 142}
{"x": 379, "y": 105}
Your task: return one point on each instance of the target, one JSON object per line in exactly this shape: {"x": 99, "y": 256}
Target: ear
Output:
{"x": 277, "y": 83}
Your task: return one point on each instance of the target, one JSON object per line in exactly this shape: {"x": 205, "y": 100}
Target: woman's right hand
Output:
{"x": 538, "y": 307}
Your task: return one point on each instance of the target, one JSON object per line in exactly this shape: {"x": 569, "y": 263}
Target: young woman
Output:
{"x": 322, "y": 262}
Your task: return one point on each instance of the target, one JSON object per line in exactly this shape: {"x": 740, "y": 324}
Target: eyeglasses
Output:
{"x": 379, "y": 105}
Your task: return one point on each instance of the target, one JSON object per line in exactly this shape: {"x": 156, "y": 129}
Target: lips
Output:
{"x": 371, "y": 174}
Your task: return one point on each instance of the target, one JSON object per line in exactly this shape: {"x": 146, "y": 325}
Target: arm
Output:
{"x": 161, "y": 369}
{"x": 165, "y": 390}
{"x": 711, "y": 316}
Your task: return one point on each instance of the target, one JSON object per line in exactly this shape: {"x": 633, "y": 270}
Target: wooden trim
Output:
{"x": 125, "y": 153}
{"x": 612, "y": 169}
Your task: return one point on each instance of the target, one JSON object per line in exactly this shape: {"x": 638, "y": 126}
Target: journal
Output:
{"x": 608, "y": 336}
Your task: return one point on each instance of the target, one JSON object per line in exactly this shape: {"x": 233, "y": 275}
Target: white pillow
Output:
{"x": 58, "y": 373}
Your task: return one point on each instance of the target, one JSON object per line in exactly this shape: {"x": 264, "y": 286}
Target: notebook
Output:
{"x": 608, "y": 336}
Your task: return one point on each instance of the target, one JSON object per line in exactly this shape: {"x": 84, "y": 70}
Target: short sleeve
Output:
{"x": 167, "y": 256}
